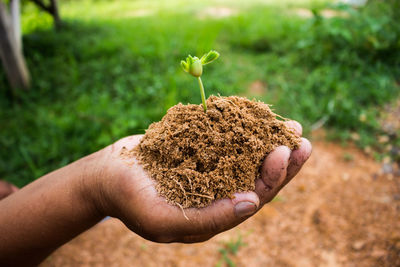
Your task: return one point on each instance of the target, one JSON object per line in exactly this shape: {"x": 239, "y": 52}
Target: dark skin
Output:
{"x": 52, "y": 210}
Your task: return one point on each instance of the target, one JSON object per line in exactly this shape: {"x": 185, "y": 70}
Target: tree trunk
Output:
{"x": 10, "y": 52}
{"x": 52, "y": 9}
{"x": 54, "y": 12}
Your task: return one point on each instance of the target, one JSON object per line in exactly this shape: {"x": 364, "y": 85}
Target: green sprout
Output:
{"x": 194, "y": 66}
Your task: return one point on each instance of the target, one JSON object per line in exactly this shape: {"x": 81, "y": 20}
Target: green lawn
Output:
{"x": 114, "y": 68}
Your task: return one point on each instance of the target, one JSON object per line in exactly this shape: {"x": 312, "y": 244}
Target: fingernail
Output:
{"x": 245, "y": 208}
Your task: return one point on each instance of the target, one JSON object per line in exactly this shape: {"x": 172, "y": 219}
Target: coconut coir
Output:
{"x": 197, "y": 157}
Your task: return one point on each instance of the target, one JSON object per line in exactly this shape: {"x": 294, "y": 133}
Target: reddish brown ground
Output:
{"x": 335, "y": 213}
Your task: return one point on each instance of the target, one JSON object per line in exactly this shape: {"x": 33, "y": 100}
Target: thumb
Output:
{"x": 201, "y": 224}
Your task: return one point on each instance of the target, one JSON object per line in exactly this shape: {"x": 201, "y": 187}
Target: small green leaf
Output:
{"x": 209, "y": 57}
{"x": 184, "y": 66}
{"x": 189, "y": 60}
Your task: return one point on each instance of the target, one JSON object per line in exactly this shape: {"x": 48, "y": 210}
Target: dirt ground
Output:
{"x": 339, "y": 211}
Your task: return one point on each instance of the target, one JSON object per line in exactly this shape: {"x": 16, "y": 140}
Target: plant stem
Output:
{"x": 203, "y": 96}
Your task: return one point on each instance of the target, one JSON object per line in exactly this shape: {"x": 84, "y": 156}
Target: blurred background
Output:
{"x": 110, "y": 68}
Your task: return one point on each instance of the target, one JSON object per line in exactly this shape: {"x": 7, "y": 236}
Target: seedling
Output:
{"x": 230, "y": 248}
{"x": 194, "y": 66}
{"x": 348, "y": 157}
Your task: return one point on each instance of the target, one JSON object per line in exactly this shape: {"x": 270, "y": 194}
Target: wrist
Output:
{"x": 91, "y": 188}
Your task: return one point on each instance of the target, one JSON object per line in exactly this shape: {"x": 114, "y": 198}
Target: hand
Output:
{"x": 128, "y": 193}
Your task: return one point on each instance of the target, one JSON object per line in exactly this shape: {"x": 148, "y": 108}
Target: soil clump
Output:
{"x": 197, "y": 157}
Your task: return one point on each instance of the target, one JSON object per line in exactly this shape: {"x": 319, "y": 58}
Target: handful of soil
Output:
{"x": 197, "y": 157}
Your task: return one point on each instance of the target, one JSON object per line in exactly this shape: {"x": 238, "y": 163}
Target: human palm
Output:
{"x": 129, "y": 194}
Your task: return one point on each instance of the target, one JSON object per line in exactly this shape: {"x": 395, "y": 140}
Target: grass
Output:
{"x": 114, "y": 68}
{"x": 348, "y": 157}
{"x": 228, "y": 250}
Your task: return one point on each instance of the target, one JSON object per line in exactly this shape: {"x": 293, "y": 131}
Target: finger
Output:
{"x": 265, "y": 193}
{"x": 273, "y": 173}
{"x": 273, "y": 170}
{"x": 195, "y": 238}
{"x": 225, "y": 214}
{"x": 191, "y": 225}
{"x": 297, "y": 159}
{"x": 295, "y": 126}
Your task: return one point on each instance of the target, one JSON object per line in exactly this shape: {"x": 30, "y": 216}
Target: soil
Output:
{"x": 336, "y": 212}
{"x": 197, "y": 157}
